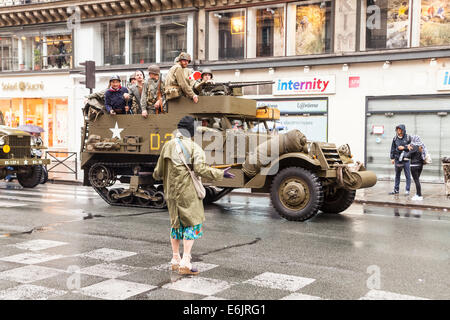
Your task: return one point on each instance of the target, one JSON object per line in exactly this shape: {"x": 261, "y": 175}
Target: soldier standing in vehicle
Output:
{"x": 153, "y": 92}
{"x": 136, "y": 91}
{"x": 183, "y": 202}
{"x": 199, "y": 85}
{"x": 177, "y": 82}
{"x": 117, "y": 97}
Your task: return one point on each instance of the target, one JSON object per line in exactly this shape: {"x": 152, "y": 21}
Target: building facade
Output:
{"x": 344, "y": 71}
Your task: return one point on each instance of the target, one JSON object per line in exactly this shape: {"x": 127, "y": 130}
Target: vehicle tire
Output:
{"x": 31, "y": 177}
{"x": 44, "y": 177}
{"x": 296, "y": 194}
{"x": 338, "y": 201}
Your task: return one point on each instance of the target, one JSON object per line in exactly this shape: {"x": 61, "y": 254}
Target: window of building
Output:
{"x": 143, "y": 41}
{"x": 269, "y": 39}
{"x": 114, "y": 42}
{"x": 11, "y": 111}
{"x": 35, "y": 50}
{"x": 313, "y": 28}
{"x": 173, "y": 37}
{"x": 387, "y": 24}
{"x": 435, "y": 23}
{"x": 227, "y": 33}
{"x": 8, "y": 53}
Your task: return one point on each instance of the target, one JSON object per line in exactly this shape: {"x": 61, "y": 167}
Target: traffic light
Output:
{"x": 89, "y": 72}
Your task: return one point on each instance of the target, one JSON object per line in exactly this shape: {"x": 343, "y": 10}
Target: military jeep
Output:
{"x": 312, "y": 177}
{"x": 17, "y": 156}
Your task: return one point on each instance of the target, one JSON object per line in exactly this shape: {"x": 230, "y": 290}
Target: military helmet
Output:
{"x": 184, "y": 56}
{"x": 154, "y": 69}
{"x": 114, "y": 77}
{"x": 207, "y": 70}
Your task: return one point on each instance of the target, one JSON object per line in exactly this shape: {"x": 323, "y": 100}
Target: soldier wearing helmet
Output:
{"x": 153, "y": 92}
{"x": 199, "y": 85}
{"x": 117, "y": 97}
{"x": 177, "y": 81}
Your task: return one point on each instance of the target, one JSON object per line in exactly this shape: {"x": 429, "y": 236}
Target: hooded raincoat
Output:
{"x": 181, "y": 197}
{"x": 397, "y": 141}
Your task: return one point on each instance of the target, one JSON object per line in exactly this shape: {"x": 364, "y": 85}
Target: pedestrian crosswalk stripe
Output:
{"x": 386, "y": 295}
{"x": 6, "y": 204}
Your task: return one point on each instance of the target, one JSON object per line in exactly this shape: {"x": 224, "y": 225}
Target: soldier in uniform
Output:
{"x": 153, "y": 92}
{"x": 199, "y": 85}
{"x": 136, "y": 91}
{"x": 177, "y": 81}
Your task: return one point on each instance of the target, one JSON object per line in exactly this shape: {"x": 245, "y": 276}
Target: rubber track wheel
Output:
{"x": 315, "y": 190}
{"x": 339, "y": 202}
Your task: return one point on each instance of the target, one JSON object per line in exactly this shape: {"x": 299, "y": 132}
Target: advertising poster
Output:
{"x": 310, "y": 29}
{"x": 435, "y": 23}
{"x": 397, "y": 24}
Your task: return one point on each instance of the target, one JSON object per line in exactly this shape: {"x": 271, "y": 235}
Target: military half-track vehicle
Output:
{"x": 17, "y": 156}
{"x": 317, "y": 176}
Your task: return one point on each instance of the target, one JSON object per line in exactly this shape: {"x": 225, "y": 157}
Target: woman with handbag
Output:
{"x": 180, "y": 164}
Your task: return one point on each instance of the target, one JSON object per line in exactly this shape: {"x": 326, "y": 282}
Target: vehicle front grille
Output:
{"x": 20, "y": 147}
{"x": 332, "y": 156}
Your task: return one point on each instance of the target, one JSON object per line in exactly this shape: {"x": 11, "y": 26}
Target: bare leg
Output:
{"x": 176, "y": 258}
{"x": 185, "y": 265}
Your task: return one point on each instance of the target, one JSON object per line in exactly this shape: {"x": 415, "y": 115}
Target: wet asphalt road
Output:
{"x": 64, "y": 242}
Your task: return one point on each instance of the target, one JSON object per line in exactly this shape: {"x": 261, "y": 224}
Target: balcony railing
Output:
{"x": 10, "y": 3}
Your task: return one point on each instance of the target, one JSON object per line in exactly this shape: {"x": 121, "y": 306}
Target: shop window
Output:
{"x": 57, "y": 123}
{"x": 270, "y": 31}
{"x": 313, "y": 28}
{"x": 143, "y": 46}
{"x": 57, "y": 53}
{"x": 113, "y": 42}
{"x": 10, "y": 109}
{"x": 387, "y": 24}
{"x": 227, "y": 32}
{"x": 173, "y": 37}
{"x": 435, "y": 23}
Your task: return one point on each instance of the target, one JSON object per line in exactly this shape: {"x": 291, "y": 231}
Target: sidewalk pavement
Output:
{"x": 433, "y": 193}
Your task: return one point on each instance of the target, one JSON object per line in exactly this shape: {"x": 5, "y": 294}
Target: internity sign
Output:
{"x": 305, "y": 85}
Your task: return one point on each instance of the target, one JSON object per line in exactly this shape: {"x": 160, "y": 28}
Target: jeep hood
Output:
{"x": 8, "y": 131}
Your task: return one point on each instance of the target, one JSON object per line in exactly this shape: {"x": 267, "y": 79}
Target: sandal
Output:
{"x": 175, "y": 263}
{"x": 186, "y": 267}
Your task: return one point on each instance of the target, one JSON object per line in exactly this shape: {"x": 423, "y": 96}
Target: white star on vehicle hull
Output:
{"x": 116, "y": 131}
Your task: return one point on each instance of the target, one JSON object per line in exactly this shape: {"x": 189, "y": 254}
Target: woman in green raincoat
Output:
{"x": 185, "y": 207}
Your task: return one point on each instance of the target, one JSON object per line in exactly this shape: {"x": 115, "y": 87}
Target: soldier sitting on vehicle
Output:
{"x": 177, "y": 81}
{"x": 152, "y": 100}
{"x": 117, "y": 97}
{"x": 199, "y": 85}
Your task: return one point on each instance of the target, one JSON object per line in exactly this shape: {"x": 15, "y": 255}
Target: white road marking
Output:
{"x": 31, "y": 258}
{"x": 110, "y": 270}
{"x": 280, "y": 281}
{"x": 40, "y": 244}
{"x": 44, "y": 195}
{"x": 7, "y": 204}
{"x": 30, "y": 292}
{"x": 107, "y": 254}
{"x": 199, "y": 285}
{"x": 29, "y": 274}
{"x": 386, "y": 295}
{"x": 300, "y": 296}
{"x": 114, "y": 289}
{"x": 28, "y": 199}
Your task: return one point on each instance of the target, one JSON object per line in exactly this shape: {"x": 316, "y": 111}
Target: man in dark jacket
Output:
{"x": 398, "y": 149}
{"x": 117, "y": 98}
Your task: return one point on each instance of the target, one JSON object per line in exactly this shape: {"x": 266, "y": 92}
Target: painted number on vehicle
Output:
{"x": 156, "y": 141}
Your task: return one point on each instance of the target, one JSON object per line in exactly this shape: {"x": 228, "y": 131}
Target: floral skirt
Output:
{"x": 187, "y": 233}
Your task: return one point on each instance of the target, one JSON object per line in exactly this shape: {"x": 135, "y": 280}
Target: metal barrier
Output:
{"x": 59, "y": 162}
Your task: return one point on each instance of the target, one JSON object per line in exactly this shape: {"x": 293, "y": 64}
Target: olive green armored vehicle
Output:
{"x": 303, "y": 177}
{"x": 18, "y": 156}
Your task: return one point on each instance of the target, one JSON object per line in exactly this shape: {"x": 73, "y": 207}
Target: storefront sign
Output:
{"x": 296, "y": 106}
{"x": 22, "y": 86}
{"x": 353, "y": 82}
{"x": 305, "y": 85}
{"x": 443, "y": 80}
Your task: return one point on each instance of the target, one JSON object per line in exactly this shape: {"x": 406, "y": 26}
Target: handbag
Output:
{"x": 198, "y": 185}
{"x": 427, "y": 159}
